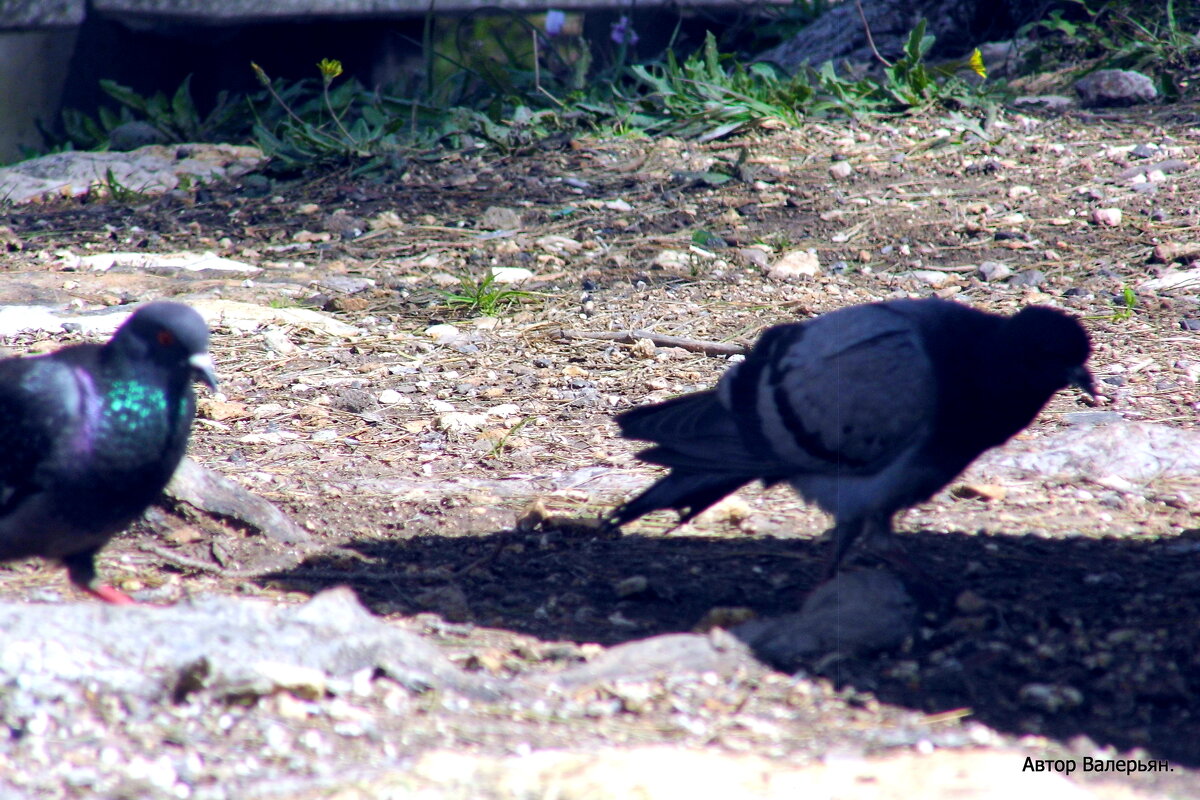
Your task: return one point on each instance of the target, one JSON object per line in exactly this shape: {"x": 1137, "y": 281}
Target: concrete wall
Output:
{"x": 33, "y": 70}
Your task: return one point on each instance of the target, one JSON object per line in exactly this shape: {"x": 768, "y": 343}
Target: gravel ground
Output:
{"x": 451, "y": 477}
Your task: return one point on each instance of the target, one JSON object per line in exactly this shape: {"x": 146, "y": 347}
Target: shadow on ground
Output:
{"x": 1058, "y": 637}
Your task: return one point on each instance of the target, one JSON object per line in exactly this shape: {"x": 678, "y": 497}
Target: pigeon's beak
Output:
{"x": 202, "y": 363}
{"x": 1082, "y": 380}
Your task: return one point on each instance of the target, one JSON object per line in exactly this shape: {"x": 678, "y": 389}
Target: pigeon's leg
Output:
{"x": 877, "y": 539}
{"x": 844, "y": 534}
{"x": 882, "y": 543}
{"x": 81, "y": 569}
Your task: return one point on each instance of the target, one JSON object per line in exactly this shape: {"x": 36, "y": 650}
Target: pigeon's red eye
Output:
{"x": 166, "y": 338}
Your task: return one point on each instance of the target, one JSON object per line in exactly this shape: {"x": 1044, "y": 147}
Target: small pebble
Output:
{"x": 1030, "y": 278}
{"x": 511, "y": 274}
{"x": 994, "y": 271}
{"x": 841, "y": 170}
{"x": 442, "y": 333}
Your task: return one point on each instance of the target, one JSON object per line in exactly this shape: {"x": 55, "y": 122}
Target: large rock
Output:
{"x": 1115, "y": 88}
{"x": 147, "y": 170}
{"x": 959, "y": 26}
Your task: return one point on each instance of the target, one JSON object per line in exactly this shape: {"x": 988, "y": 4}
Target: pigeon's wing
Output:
{"x": 848, "y": 391}
{"x": 694, "y": 432}
{"x": 698, "y": 438}
{"x": 39, "y": 409}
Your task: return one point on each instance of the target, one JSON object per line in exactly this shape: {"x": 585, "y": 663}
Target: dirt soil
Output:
{"x": 454, "y": 482}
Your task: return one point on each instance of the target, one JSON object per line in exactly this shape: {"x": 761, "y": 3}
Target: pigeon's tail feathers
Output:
{"x": 697, "y": 437}
{"x": 689, "y": 493}
{"x": 694, "y": 432}
{"x": 688, "y": 415}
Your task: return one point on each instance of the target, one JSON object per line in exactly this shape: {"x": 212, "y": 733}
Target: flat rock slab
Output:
{"x": 249, "y": 317}
{"x": 658, "y": 773}
{"x": 225, "y": 646}
{"x": 148, "y": 170}
{"x": 231, "y": 314}
{"x": 231, "y": 648}
{"x": 1135, "y": 452}
{"x": 213, "y": 493}
{"x": 201, "y": 265}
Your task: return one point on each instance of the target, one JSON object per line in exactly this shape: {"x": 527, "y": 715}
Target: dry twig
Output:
{"x": 659, "y": 340}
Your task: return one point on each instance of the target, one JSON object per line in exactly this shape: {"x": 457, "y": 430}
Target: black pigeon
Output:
{"x": 92, "y": 433}
{"x": 864, "y": 411}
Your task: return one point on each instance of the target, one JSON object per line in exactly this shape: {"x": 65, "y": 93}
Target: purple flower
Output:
{"x": 623, "y": 32}
{"x": 554, "y": 22}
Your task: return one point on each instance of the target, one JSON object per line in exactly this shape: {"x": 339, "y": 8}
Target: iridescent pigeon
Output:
{"x": 864, "y": 411}
{"x": 90, "y": 435}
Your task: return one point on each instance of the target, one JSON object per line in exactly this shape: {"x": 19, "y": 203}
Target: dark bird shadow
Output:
{"x": 1054, "y": 637}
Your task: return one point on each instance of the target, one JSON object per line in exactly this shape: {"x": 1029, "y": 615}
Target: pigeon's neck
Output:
{"x": 139, "y": 398}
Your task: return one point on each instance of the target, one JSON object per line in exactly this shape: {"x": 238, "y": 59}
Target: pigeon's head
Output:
{"x": 1053, "y": 348}
{"x": 171, "y": 335}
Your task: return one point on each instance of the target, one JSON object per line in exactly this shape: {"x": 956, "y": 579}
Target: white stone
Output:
{"x": 1188, "y": 278}
{"x": 932, "y": 277}
{"x": 795, "y": 264}
{"x": 840, "y": 170}
{"x": 559, "y": 245}
{"x": 994, "y": 271}
{"x": 1108, "y": 217}
{"x": 504, "y": 410}
{"x": 673, "y": 260}
{"x": 278, "y": 341}
{"x": 511, "y": 274}
{"x": 14, "y": 319}
{"x": 442, "y": 333}
{"x": 460, "y": 421}
{"x": 389, "y": 397}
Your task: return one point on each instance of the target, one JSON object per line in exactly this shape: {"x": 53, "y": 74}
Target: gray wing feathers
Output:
{"x": 855, "y": 389}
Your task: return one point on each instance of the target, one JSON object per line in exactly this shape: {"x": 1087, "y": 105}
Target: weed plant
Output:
{"x": 483, "y": 296}
{"x": 514, "y": 96}
{"x": 1158, "y": 38}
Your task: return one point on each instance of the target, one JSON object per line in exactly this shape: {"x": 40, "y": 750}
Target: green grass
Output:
{"x": 1125, "y": 304}
{"x": 509, "y": 98}
{"x": 483, "y": 296}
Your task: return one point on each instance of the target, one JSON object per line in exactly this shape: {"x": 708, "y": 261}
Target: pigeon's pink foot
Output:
{"x": 110, "y": 595}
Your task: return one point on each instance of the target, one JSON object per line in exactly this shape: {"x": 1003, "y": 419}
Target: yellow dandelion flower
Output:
{"x": 975, "y": 62}
{"x": 330, "y": 68}
{"x": 260, "y": 74}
